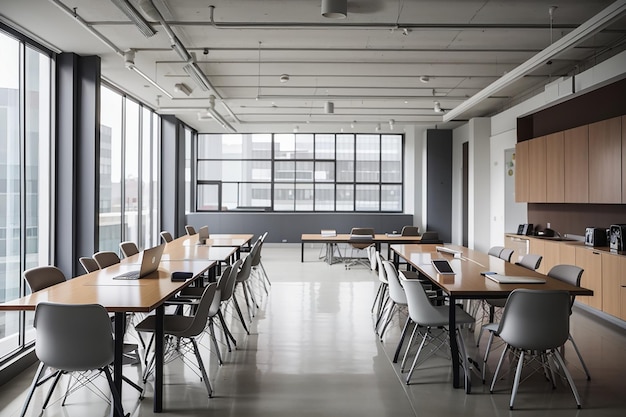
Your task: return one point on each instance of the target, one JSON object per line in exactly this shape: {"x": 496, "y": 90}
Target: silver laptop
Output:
{"x": 203, "y": 235}
{"x": 149, "y": 263}
{"x": 512, "y": 279}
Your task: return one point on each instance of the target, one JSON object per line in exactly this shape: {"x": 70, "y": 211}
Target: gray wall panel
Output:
{"x": 288, "y": 227}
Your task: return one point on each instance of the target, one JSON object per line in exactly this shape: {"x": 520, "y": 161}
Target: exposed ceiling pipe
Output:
{"x": 591, "y": 26}
{"x": 218, "y": 117}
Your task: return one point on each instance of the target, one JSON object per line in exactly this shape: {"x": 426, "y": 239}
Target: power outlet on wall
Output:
{"x": 284, "y": 240}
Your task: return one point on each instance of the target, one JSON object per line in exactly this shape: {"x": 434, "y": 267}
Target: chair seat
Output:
{"x": 439, "y": 316}
{"x": 174, "y": 325}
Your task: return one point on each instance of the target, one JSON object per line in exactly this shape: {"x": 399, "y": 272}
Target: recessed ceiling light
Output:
{"x": 425, "y": 79}
{"x": 284, "y": 78}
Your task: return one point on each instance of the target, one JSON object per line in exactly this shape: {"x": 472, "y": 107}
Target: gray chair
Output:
{"x": 506, "y": 254}
{"x": 397, "y": 297}
{"x": 535, "y": 323}
{"x": 257, "y": 265}
{"x": 572, "y": 275}
{"x": 129, "y": 248}
{"x": 434, "y": 319}
{"x": 496, "y": 251}
{"x": 184, "y": 330}
{"x": 360, "y": 239}
{"x": 42, "y": 277}
{"x": 166, "y": 236}
{"x": 190, "y": 230}
{"x": 383, "y": 289}
{"x": 431, "y": 237}
{"x": 106, "y": 258}
{"x": 530, "y": 261}
{"x": 89, "y": 264}
{"x": 243, "y": 281}
{"x": 410, "y": 231}
{"x": 72, "y": 338}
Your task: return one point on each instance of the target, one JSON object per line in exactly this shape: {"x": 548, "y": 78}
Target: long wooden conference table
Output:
{"x": 468, "y": 283}
{"x": 345, "y": 238}
{"x": 135, "y": 296}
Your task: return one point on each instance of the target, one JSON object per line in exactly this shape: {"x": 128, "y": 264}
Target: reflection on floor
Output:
{"x": 313, "y": 352}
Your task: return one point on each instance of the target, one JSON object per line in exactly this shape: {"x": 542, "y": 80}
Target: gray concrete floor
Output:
{"x": 313, "y": 352}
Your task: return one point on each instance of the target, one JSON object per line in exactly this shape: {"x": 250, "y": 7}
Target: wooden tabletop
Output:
{"x": 345, "y": 237}
{"x": 99, "y": 287}
{"x": 467, "y": 280}
{"x": 236, "y": 240}
{"x": 179, "y": 250}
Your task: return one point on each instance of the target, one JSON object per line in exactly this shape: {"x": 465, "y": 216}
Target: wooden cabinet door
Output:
{"x": 537, "y": 247}
{"x": 550, "y": 256}
{"x": 576, "y": 165}
{"x": 567, "y": 254}
{"x": 613, "y": 267}
{"x": 605, "y": 161}
{"x": 521, "y": 172}
{"x": 537, "y": 170}
{"x": 555, "y": 171}
{"x": 591, "y": 261}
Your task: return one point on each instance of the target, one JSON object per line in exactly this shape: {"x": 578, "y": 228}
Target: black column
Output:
{"x": 439, "y": 182}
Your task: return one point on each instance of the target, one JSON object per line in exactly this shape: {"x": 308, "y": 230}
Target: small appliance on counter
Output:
{"x": 595, "y": 236}
{"x": 617, "y": 234}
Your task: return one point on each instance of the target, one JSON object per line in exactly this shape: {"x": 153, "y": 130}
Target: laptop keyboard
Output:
{"x": 128, "y": 275}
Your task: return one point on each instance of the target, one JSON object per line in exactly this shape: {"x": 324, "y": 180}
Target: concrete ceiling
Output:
{"x": 371, "y": 65}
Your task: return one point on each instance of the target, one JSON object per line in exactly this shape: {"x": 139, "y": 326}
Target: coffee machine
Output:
{"x": 617, "y": 233}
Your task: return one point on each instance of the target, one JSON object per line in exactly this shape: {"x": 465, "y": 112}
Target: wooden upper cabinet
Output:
{"x": 521, "y": 172}
{"x": 605, "y": 161}
{"x": 537, "y": 170}
{"x": 576, "y": 164}
{"x": 555, "y": 171}
{"x": 624, "y": 159}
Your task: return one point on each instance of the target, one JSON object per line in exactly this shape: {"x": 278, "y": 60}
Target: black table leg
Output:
{"x": 302, "y": 252}
{"x": 158, "y": 360}
{"x": 454, "y": 348}
{"x": 120, "y": 326}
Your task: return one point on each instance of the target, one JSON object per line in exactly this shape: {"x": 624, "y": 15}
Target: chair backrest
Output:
{"x": 530, "y": 261}
{"x": 360, "y": 243}
{"x": 571, "y": 274}
{"x": 198, "y": 323}
{"x": 535, "y": 319}
{"x": 223, "y": 279}
{"x": 410, "y": 231}
{"x": 255, "y": 252}
{"x": 106, "y": 258}
{"x": 371, "y": 255}
{"x": 229, "y": 287}
{"x": 190, "y": 230}
{"x": 129, "y": 248}
{"x": 430, "y": 237}
{"x": 382, "y": 274}
{"x": 246, "y": 268}
{"x": 89, "y": 264}
{"x": 166, "y": 236}
{"x": 263, "y": 237}
{"x": 396, "y": 292}
{"x": 73, "y": 337}
{"x": 421, "y": 309}
{"x": 506, "y": 254}
{"x": 495, "y": 251}
{"x": 42, "y": 277}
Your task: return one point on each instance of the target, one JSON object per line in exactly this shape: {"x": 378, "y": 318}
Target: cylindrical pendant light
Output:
{"x": 335, "y": 9}
{"x": 329, "y": 107}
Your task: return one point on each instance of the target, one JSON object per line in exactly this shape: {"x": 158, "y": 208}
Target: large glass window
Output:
{"x": 299, "y": 172}
{"x": 129, "y": 144}
{"x": 25, "y": 155}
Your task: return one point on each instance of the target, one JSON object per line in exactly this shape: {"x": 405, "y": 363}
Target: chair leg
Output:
{"x": 408, "y": 347}
{"x": 117, "y": 401}
{"x": 243, "y": 321}
{"x": 465, "y": 358}
{"x": 201, "y": 366}
{"x": 580, "y": 357}
{"x": 417, "y": 355}
{"x": 518, "y": 374}
{"x": 229, "y": 335}
{"x": 267, "y": 278}
{"x": 405, "y": 329}
{"x": 568, "y": 376}
{"x": 392, "y": 310}
{"x": 40, "y": 370}
{"x": 378, "y": 294}
{"x": 487, "y": 351}
{"x": 214, "y": 339}
{"x": 497, "y": 371}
